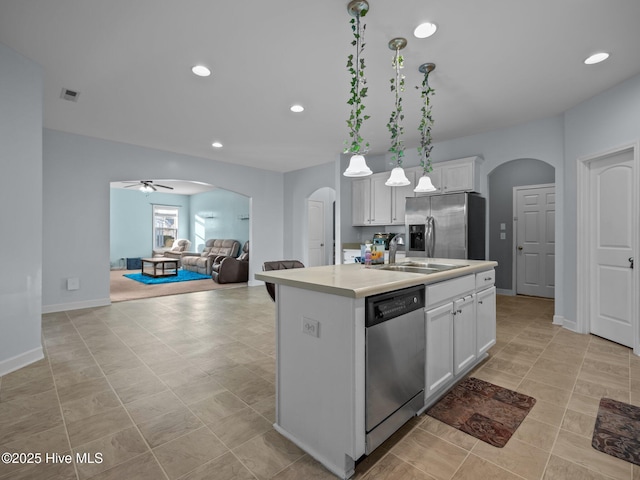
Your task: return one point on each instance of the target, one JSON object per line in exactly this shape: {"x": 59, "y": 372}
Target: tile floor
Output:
{"x": 182, "y": 387}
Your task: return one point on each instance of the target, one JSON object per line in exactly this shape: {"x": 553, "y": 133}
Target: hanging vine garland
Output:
{"x": 356, "y": 67}
{"x": 426, "y": 120}
{"x": 397, "y": 86}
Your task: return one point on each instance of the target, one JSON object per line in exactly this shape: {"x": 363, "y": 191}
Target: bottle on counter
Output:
{"x": 367, "y": 256}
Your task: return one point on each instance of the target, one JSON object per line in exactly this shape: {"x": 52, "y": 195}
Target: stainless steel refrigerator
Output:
{"x": 446, "y": 226}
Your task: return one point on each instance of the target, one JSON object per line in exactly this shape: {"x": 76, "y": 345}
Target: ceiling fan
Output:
{"x": 147, "y": 186}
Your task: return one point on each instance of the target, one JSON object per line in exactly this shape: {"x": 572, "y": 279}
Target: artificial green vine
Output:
{"x": 358, "y": 89}
{"x": 395, "y": 127}
{"x": 426, "y": 122}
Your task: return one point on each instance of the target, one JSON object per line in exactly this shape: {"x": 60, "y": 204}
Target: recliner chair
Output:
{"x": 232, "y": 270}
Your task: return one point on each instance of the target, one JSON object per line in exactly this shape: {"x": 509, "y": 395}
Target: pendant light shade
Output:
{"x": 397, "y": 178}
{"x": 357, "y": 167}
{"x": 424, "y": 185}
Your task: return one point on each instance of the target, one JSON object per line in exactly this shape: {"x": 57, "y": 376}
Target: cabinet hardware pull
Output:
{"x": 480, "y": 302}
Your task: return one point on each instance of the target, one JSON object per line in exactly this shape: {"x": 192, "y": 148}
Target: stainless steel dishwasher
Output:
{"x": 395, "y": 361}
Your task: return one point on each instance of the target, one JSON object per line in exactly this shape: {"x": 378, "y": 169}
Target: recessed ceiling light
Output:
{"x": 216, "y": 145}
{"x": 596, "y": 58}
{"x": 201, "y": 71}
{"x": 425, "y": 30}
{"x": 297, "y": 108}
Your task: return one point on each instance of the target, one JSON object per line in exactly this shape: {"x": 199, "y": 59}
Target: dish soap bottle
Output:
{"x": 367, "y": 256}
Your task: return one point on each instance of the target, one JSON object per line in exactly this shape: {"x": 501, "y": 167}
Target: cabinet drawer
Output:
{"x": 443, "y": 291}
{"x": 485, "y": 279}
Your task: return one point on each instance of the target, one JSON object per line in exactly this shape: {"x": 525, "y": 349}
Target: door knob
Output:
{"x": 519, "y": 247}
{"x": 631, "y": 262}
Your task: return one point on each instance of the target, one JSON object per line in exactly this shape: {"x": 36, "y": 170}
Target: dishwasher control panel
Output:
{"x": 383, "y": 307}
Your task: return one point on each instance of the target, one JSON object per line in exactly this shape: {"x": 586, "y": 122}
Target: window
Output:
{"x": 165, "y": 226}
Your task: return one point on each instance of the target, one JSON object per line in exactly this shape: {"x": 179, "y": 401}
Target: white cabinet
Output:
{"x": 371, "y": 201}
{"x": 458, "y": 176}
{"x": 486, "y": 319}
{"x": 464, "y": 333}
{"x": 399, "y": 198}
{"x": 439, "y": 362}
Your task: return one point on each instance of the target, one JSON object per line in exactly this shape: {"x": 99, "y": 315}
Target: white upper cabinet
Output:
{"x": 371, "y": 201}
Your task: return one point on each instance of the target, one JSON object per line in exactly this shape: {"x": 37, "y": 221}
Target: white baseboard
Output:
{"x": 558, "y": 320}
{"x": 14, "y": 363}
{"x": 569, "y": 324}
{"x": 61, "y": 307}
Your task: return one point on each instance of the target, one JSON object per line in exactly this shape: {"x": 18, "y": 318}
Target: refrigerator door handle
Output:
{"x": 430, "y": 233}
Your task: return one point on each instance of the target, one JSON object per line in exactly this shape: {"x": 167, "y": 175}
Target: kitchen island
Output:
{"x": 321, "y": 347}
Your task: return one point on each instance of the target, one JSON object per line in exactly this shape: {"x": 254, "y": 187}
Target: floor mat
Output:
{"x": 483, "y": 410}
{"x": 617, "y": 430}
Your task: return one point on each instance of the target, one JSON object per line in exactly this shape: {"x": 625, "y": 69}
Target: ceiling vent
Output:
{"x": 70, "y": 95}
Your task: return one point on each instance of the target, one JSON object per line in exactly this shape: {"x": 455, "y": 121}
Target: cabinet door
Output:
{"x": 439, "y": 367}
{"x": 464, "y": 333}
{"x": 360, "y": 201}
{"x": 486, "y": 319}
{"x": 380, "y": 200}
{"x": 457, "y": 178}
{"x": 399, "y": 199}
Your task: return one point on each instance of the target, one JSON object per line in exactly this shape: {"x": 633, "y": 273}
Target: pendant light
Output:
{"x": 355, "y": 64}
{"x": 424, "y": 150}
{"x": 398, "y": 177}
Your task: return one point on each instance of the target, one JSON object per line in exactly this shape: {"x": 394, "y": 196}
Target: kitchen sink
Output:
{"x": 420, "y": 267}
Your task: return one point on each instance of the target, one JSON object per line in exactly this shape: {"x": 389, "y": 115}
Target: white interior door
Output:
{"x": 613, "y": 224}
{"x": 316, "y": 233}
{"x": 535, "y": 208}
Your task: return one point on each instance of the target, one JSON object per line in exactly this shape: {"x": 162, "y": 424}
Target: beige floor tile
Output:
{"x": 579, "y": 423}
{"x": 69, "y": 379}
{"x": 83, "y": 389}
{"x": 267, "y": 408}
{"x": 31, "y": 424}
{"x": 226, "y": 467}
{"x": 578, "y": 449}
{"x": 142, "y": 467}
{"x": 475, "y": 468}
{"x": 559, "y": 380}
{"x": 512, "y": 367}
{"x": 198, "y": 389}
{"x": 584, "y": 404}
{"x": 430, "y": 454}
{"x": 90, "y": 405}
{"x": 542, "y": 391}
{"x": 496, "y": 377}
{"x": 306, "y": 468}
{"x": 536, "y": 433}
{"x": 391, "y": 467}
{"x": 560, "y": 469}
{"x": 27, "y": 389}
{"x": 239, "y": 427}
{"x": 112, "y": 449}
{"x": 153, "y": 406}
{"x": 96, "y": 426}
{"x": 43, "y": 471}
{"x": 547, "y": 412}
{"x": 446, "y": 432}
{"x": 164, "y": 428}
{"x": 517, "y": 457}
{"x": 599, "y": 390}
{"x": 212, "y": 409}
{"x": 267, "y": 454}
{"x": 186, "y": 453}
{"x": 37, "y": 371}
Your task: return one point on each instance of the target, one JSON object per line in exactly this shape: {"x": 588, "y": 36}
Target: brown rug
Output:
{"x": 483, "y": 410}
{"x": 123, "y": 288}
{"x": 617, "y": 430}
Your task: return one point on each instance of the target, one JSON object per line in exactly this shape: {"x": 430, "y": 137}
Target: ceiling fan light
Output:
{"x": 146, "y": 189}
{"x": 424, "y": 185}
{"x": 397, "y": 178}
{"x": 357, "y": 167}
{"x": 425, "y": 30}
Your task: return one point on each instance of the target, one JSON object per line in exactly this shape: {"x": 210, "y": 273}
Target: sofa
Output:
{"x": 214, "y": 251}
{"x": 179, "y": 246}
{"x": 232, "y": 270}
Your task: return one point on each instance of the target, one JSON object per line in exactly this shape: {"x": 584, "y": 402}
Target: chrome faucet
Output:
{"x": 393, "y": 246}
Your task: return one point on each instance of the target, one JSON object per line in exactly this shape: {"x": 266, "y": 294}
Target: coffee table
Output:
{"x": 159, "y": 267}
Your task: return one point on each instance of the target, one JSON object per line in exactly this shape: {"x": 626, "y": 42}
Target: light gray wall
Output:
{"x": 298, "y": 187}
{"x": 607, "y": 121}
{"x": 77, "y": 173}
{"x": 21, "y": 87}
{"x": 524, "y": 171}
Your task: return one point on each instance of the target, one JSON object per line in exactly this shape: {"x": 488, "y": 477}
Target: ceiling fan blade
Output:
{"x": 129, "y": 186}
{"x": 152, "y": 187}
{"x": 163, "y": 186}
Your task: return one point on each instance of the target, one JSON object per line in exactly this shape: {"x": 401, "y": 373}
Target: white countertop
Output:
{"x": 358, "y": 281}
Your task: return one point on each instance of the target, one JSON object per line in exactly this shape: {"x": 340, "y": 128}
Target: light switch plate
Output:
{"x": 503, "y": 236}
{"x": 503, "y": 226}
{"x": 73, "y": 283}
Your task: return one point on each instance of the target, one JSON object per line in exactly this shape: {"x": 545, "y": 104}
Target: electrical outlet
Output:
{"x": 310, "y": 327}
{"x": 503, "y": 236}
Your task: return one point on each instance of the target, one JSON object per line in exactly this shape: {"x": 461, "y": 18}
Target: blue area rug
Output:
{"x": 183, "y": 276}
